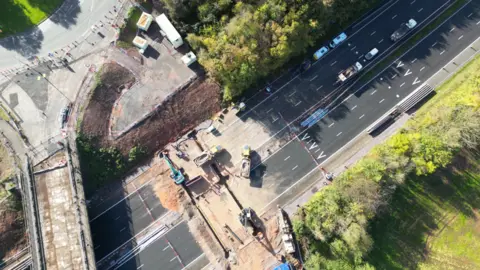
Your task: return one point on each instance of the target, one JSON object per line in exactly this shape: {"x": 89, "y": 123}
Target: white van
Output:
{"x": 371, "y": 54}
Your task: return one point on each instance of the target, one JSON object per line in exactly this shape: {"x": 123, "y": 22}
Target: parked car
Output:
{"x": 339, "y": 39}
{"x": 371, "y": 54}
{"x": 320, "y": 53}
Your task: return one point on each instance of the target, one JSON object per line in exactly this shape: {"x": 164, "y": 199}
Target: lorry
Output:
{"x": 404, "y": 28}
{"x": 349, "y": 72}
{"x": 245, "y": 164}
{"x": 286, "y": 231}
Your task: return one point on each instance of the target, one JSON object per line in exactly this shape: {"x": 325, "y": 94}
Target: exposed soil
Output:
{"x": 13, "y": 236}
{"x": 170, "y": 195}
{"x": 184, "y": 110}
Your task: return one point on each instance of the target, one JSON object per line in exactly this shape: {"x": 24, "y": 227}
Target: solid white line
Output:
{"x": 422, "y": 68}
{"x": 320, "y": 87}
{"x": 380, "y": 41}
{"x": 442, "y": 52}
{"x": 270, "y": 110}
{"x": 361, "y": 116}
{"x": 331, "y": 124}
{"x": 294, "y": 167}
{"x": 460, "y": 37}
{"x": 420, "y": 10}
{"x": 298, "y": 103}
{"x": 373, "y": 33}
{"x": 286, "y": 158}
{"x": 293, "y": 93}
{"x": 374, "y": 91}
{"x": 333, "y": 63}
{"x": 353, "y": 108}
{"x": 314, "y": 78}
{"x": 347, "y": 98}
{"x": 339, "y": 133}
{"x": 381, "y": 101}
{"x": 394, "y": 17}
{"x": 402, "y": 84}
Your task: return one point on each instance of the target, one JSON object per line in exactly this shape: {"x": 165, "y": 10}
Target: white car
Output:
{"x": 371, "y": 54}
{"x": 339, "y": 39}
{"x": 320, "y": 53}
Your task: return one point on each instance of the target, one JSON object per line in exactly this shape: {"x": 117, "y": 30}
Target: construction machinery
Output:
{"x": 249, "y": 219}
{"x": 246, "y": 163}
{"x": 207, "y": 155}
{"x": 175, "y": 173}
{"x": 286, "y": 231}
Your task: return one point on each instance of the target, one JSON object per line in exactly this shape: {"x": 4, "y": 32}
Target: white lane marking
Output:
{"x": 320, "y": 87}
{"x": 353, "y": 48}
{"x": 331, "y": 125}
{"x": 298, "y": 103}
{"x": 433, "y": 45}
{"x": 274, "y": 120}
{"x": 411, "y": 3}
{"x": 478, "y": 22}
{"x": 173, "y": 258}
{"x": 422, "y": 68}
{"x": 293, "y": 93}
{"x": 453, "y": 28}
{"x": 333, "y": 63}
{"x": 361, "y": 116}
{"x": 394, "y": 16}
{"x": 314, "y": 78}
{"x": 360, "y": 56}
{"x": 460, "y": 37}
{"x": 123, "y": 229}
{"x": 270, "y": 110}
{"x": 339, "y": 133}
{"x": 374, "y": 91}
{"x": 140, "y": 266}
{"x": 402, "y": 84}
{"x": 373, "y": 33}
{"x": 293, "y": 169}
{"x": 420, "y": 10}
{"x": 408, "y": 72}
{"x": 286, "y": 158}
{"x": 166, "y": 248}
{"x": 469, "y": 15}
{"x": 117, "y": 218}
{"x": 381, "y": 101}
{"x": 380, "y": 41}
{"x": 416, "y": 81}
{"x": 275, "y": 98}
{"x": 96, "y": 247}
{"x": 353, "y": 108}
{"x": 414, "y": 60}
{"x": 442, "y": 52}
{"x": 393, "y": 77}
{"x": 400, "y": 64}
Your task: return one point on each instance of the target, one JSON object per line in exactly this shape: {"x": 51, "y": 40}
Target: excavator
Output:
{"x": 175, "y": 173}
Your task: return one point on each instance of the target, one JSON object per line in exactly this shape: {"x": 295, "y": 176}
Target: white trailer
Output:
{"x": 170, "y": 32}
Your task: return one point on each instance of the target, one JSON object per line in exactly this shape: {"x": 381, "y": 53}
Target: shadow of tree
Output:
{"x": 67, "y": 14}
{"x": 27, "y": 44}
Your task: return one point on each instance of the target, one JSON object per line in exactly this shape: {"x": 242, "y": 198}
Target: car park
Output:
{"x": 320, "y": 53}
{"x": 371, "y": 54}
{"x": 339, "y": 39}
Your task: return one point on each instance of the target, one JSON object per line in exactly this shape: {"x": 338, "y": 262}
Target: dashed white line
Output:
{"x": 314, "y": 78}
{"x": 411, "y": 3}
{"x": 97, "y": 247}
{"x": 293, "y": 169}
{"x": 339, "y": 133}
{"x": 361, "y": 116}
{"x": 140, "y": 266}
{"x": 286, "y": 158}
{"x": 469, "y": 15}
{"x": 453, "y": 28}
{"x": 478, "y": 22}
{"x": 275, "y": 98}
{"x": 293, "y": 93}
{"x": 460, "y": 37}
{"x": 123, "y": 229}
{"x": 173, "y": 258}
{"x": 393, "y": 77}
{"x": 320, "y": 87}
{"x": 442, "y": 52}
{"x": 360, "y": 56}
{"x": 414, "y": 60}
{"x": 166, "y": 248}
{"x": 433, "y": 45}
{"x": 402, "y": 84}
{"x": 394, "y": 16}
{"x": 270, "y": 110}
{"x": 349, "y": 96}
{"x": 353, "y": 108}
{"x": 374, "y": 91}
{"x": 331, "y": 125}
{"x": 353, "y": 48}
{"x": 381, "y": 101}
{"x": 373, "y": 33}
{"x": 380, "y": 41}
{"x": 420, "y": 10}
{"x": 333, "y": 63}
{"x": 298, "y": 103}
{"x": 422, "y": 68}
{"x": 117, "y": 218}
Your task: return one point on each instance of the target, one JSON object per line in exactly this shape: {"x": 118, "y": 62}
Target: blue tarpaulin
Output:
{"x": 285, "y": 266}
{"x": 314, "y": 118}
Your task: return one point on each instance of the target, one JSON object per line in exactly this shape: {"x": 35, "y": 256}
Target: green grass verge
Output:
{"x": 3, "y": 114}
{"x": 412, "y": 41}
{"x": 19, "y": 15}
{"x": 129, "y": 30}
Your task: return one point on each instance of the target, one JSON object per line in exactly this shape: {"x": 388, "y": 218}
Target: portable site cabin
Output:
{"x": 170, "y": 32}
{"x": 189, "y": 58}
{"x": 144, "y": 21}
{"x": 141, "y": 43}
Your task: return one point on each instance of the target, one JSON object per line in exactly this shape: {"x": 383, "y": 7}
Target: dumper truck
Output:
{"x": 207, "y": 155}
{"x": 246, "y": 163}
{"x": 349, "y": 72}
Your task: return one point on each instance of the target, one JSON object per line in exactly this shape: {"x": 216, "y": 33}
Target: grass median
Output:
{"x": 413, "y": 40}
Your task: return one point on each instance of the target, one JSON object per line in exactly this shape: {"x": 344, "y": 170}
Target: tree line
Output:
{"x": 241, "y": 42}
{"x": 333, "y": 227}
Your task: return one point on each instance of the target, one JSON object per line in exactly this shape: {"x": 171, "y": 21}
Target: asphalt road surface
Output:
{"x": 311, "y": 146}
{"x": 173, "y": 251}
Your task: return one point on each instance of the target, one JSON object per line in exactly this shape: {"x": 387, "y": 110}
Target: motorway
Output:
{"x": 297, "y": 96}
{"x": 310, "y": 147}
